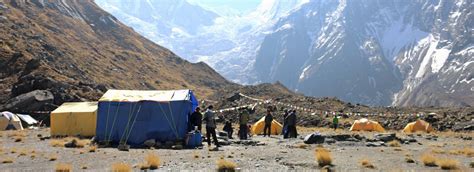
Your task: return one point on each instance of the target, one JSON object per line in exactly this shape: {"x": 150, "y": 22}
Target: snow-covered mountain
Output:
{"x": 227, "y": 42}
{"x": 374, "y": 51}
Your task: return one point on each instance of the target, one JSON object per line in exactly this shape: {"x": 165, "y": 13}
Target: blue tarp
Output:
{"x": 135, "y": 120}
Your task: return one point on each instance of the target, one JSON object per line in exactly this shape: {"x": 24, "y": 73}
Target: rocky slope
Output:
{"x": 75, "y": 51}
{"x": 378, "y": 52}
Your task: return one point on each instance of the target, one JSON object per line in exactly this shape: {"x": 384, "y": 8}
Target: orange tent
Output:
{"x": 366, "y": 125}
{"x": 418, "y": 125}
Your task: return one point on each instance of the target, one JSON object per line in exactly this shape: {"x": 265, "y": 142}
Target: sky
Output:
{"x": 237, "y": 5}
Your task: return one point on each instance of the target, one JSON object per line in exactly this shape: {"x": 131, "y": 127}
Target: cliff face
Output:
{"x": 76, "y": 51}
{"x": 378, "y": 52}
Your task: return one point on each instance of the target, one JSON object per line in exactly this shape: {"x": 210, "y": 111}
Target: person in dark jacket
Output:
{"x": 268, "y": 123}
{"x": 209, "y": 117}
{"x": 285, "y": 124}
{"x": 291, "y": 119}
{"x": 196, "y": 119}
{"x": 228, "y": 128}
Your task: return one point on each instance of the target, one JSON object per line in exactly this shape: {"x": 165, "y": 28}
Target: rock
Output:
{"x": 223, "y": 142}
{"x": 351, "y": 139}
{"x": 315, "y": 138}
{"x": 177, "y": 147}
{"x": 464, "y": 126}
{"x": 466, "y": 138}
{"x": 222, "y": 134}
{"x": 374, "y": 144}
{"x": 32, "y": 101}
{"x": 257, "y": 165}
{"x": 150, "y": 143}
{"x": 330, "y": 141}
{"x": 386, "y": 137}
{"x": 327, "y": 168}
{"x": 341, "y": 137}
{"x": 71, "y": 144}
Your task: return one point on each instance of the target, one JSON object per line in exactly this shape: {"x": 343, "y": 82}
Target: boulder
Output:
{"x": 71, "y": 144}
{"x": 32, "y": 101}
{"x": 464, "y": 126}
{"x": 340, "y": 137}
{"x": 315, "y": 138}
{"x": 374, "y": 144}
{"x": 386, "y": 137}
{"x": 150, "y": 143}
{"x": 330, "y": 140}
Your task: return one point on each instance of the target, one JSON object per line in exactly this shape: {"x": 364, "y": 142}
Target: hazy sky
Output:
{"x": 240, "y": 5}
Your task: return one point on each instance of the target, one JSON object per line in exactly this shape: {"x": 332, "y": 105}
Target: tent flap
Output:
{"x": 258, "y": 127}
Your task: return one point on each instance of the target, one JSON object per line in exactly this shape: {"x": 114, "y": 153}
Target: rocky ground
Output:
{"x": 347, "y": 150}
{"x": 312, "y": 111}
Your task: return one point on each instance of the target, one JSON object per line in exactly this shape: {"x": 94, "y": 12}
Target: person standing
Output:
{"x": 335, "y": 122}
{"x": 292, "y": 124}
{"x": 243, "y": 121}
{"x": 228, "y": 128}
{"x": 209, "y": 117}
{"x": 268, "y": 123}
{"x": 196, "y": 119}
{"x": 285, "y": 124}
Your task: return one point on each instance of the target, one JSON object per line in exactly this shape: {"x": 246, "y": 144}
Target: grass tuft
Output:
{"x": 53, "y": 157}
{"x": 153, "y": 161}
{"x": 63, "y": 167}
{"x": 448, "y": 164}
{"x": 93, "y": 148}
{"x": 121, "y": 167}
{"x": 7, "y": 160}
{"x": 225, "y": 165}
{"x": 409, "y": 159}
{"x": 323, "y": 157}
{"x": 394, "y": 143}
{"x": 429, "y": 160}
{"x": 367, "y": 164}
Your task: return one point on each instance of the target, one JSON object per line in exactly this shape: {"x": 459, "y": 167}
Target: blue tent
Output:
{"x": 132, "y": 116}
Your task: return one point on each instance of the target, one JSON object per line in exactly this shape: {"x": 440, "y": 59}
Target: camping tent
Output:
{"x": 75, "y": 118}
{"x": 5, "y": 118}
{"x": 134, "y": 116}
{"x": 418, "y": 125}
{"x": 258, "y": 127}
{"x": 366, "y": 125}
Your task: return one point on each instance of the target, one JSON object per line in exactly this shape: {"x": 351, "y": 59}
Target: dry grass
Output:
{"x": 13, "y": 150}
{"x": 398, "y": 149}
{"x": 367, "y": 164}
{"x": 121, "y": 167}
{"x": 428, "y": 160}
{"x": 409, "y": 159}
{"x": 17, "y": 134}
{"x": 448, "y": 164}
{"x": 23, "y": 152}
{"x": 93, "y": 148}
{"x": 63, "y": 167}
{"x": 18, "y": 139}
{"x": 80, "y": 143}
{"x": 7, "y": 160}
{"x": 471, "y": 164}
{"x": 438, "y": 151}
{"x": 323, "y": 157}
{"x": 143, "y": 166}
{"x": 83, "y": 167}
{"x": 301, "y": 146}
{"x": 225, "y": 165}
{"x": 394, "y": 143}
{"x": 53, "y": 157}
{"x": 153, "y": 161}
{"x": 196, "y": 155}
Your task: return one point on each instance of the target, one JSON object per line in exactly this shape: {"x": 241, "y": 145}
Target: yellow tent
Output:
{"x": 71, "y": 119}
{"x": 7, "y": 117}
{"x": 258, "y": 127}
{"x": 366, "y": 125}
{"x": 418, "y": 125}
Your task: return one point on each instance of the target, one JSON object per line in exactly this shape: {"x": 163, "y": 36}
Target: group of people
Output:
{"x": 196, "y": 119}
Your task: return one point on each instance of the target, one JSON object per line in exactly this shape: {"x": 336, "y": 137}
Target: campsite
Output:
{"x": 111, "y": 121}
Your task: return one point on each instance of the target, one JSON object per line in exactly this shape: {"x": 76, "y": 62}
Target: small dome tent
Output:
{"x": 8, "y": 117}
{"x": 418, "y": 125}
{"x": 366, "y": 125}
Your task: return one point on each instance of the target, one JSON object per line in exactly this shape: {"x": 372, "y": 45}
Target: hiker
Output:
{"x": 268, "y": 123}
{"x": 243, "y": 121}
{"x": 291, "y": 120}
{"x": 210, "y": 126}
{"x": 228, "y": 128}
{"x": 196, "y": 119}
{"x": 285, "y": 124}
{"x": 335, "y": 122}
